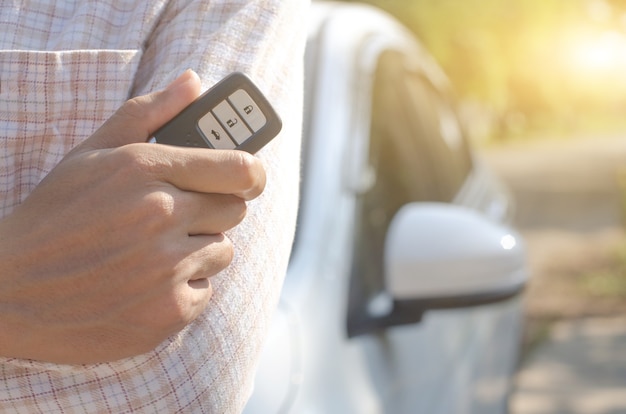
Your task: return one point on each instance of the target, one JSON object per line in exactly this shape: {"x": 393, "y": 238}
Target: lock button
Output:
{"x": 247, "y": 109}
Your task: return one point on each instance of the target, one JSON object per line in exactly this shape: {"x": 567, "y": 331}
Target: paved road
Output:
{"x": 576, "y": 189}
{"x": 580, "y": 369}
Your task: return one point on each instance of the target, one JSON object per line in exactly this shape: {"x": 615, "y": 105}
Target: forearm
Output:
{"x": 246, "y": 293}
{"x": 209, "y": 365}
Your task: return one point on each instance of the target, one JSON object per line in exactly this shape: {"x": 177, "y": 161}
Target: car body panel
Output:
{"x": 453, "y": 361}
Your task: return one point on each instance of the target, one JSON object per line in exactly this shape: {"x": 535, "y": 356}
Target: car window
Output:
{"x": 418, "y": 130}
{"x": 417, "y": 152}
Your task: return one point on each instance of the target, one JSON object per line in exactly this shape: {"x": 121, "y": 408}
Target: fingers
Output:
{"x": 188, "y": 289}
{"x": 203, "y": 171}
{"x": 210, "y": 255}
{"x": 213, "y": 213}
{"x": 195, "y": 296}
{"x": 212, "y": 171}
{"x": 170, "y": 208}
{"x": 167, "y": 312}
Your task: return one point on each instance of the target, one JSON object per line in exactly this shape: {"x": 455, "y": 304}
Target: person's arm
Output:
{"x": 209, "y": 365}
{"x": 264, "y": 39}
{"x": 112, "y": 252}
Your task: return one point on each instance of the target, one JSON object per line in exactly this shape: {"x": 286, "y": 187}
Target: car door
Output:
{"x": 378, "y": 134}
{"x": 417, "y": 152}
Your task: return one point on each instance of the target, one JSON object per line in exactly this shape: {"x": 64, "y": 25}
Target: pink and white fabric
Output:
{"x": 65, "y": 67}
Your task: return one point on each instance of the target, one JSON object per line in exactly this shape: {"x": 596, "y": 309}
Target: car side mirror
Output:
{"x": 451, "y": 256}
{"x": 442, "y": 256}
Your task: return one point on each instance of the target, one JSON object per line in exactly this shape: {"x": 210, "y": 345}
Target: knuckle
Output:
{"x": 184, "y": 310}
{"x": 217, "y": 255}
{"x": 154, "y": 213}
{"x": 229, "y": 251}
{"x": 248, "y": 171}
{"x": 237, "y": 208}
{"x": 133, "y": 108}
{"x": 133, "y": 161}
{"x": 241, "y": 209}
{"x": 172, "y": 316}
{"x": 161, "y": 204}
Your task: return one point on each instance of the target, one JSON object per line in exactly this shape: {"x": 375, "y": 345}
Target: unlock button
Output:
{"x": 232, "y": 123}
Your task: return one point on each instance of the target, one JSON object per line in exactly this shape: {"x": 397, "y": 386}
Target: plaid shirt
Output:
{"x": 65, "y": 66}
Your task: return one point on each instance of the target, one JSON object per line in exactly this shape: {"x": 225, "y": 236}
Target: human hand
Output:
{"x": 112, "y": 252}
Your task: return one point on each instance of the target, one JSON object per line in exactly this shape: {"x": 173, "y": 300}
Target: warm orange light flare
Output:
{"x": 597, "y": 55}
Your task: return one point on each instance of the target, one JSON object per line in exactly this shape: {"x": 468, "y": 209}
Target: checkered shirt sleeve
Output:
{"x": 65, "y": 66}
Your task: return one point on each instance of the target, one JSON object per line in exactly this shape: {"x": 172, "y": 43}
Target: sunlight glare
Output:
{"x": 605, "y": 52}
{"x": 508, "y": 242}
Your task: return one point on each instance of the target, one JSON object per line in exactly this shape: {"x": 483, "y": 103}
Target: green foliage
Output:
{"x": 516, "y": 56}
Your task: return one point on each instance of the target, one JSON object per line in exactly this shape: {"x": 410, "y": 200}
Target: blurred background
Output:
{"x": 532, "y": 68}
{"x": 543, "y": 91}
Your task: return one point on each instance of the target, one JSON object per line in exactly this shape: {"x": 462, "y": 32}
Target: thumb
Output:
{"x": 138, "y": 118}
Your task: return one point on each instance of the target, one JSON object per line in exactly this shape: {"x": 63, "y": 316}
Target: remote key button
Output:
{"x": 214, "y": 133}
{"x": 248, "y": 109}
{"x": 231, "y": 122}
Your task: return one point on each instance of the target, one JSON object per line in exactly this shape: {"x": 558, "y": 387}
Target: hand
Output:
{"x": 112, "y": 252}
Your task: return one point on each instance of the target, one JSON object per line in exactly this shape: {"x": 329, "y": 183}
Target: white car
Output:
{"x": 402, "y": 294}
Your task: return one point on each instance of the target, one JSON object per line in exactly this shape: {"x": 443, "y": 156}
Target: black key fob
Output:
{"x": 233, "y": 114}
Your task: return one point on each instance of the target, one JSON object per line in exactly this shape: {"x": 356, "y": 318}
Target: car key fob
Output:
{"x": 233, "y": 114}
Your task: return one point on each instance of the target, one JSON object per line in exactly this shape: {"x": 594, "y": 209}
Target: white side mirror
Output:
{"x": 441, "y": 252}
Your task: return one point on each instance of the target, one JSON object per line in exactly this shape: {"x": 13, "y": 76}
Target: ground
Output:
{"x": 571, "y": 204}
